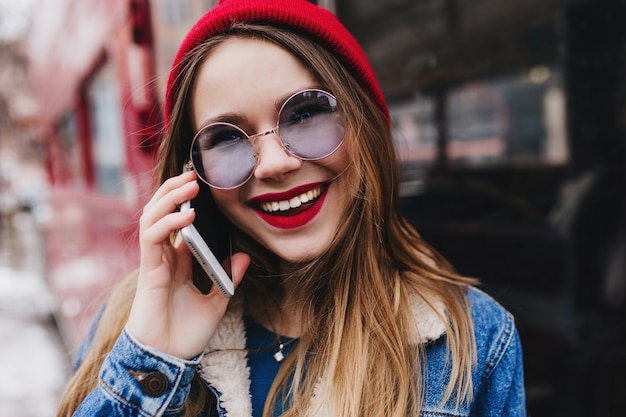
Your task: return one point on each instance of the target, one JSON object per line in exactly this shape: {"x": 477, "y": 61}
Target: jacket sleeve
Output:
{"x": 87, "y": 342}
{"x": 501, "y": 392}
{"x": 136, "y": 380}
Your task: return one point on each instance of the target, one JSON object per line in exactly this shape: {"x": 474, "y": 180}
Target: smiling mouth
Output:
{"x": 295, "y": 204}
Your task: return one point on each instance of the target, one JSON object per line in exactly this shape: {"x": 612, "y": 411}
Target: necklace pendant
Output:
{"x": 279, "y": 356}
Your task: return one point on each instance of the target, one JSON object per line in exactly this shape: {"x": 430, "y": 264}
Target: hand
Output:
{"x": 169, "y": 313}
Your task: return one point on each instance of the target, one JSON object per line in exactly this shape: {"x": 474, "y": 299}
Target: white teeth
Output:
{"x": 295, "y": 202}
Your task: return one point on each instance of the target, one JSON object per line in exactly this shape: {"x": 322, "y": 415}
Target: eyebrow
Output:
{"x": 239, "y": 119}
{"x": 231, "y": 118}
{"x": 281, "y": 100}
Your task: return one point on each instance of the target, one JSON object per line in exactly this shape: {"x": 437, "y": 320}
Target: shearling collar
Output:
{"x": 224, "y": 365}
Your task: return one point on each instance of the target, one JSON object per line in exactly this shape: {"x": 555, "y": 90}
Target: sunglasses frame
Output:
{"x": 252, "y": 138}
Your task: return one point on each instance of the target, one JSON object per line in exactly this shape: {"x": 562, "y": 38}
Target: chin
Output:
{"x": 299, "y": 256}
{"x": 296, "y": 258}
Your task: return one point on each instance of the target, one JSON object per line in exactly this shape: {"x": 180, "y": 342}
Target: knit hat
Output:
{"x": 298, "y": 15}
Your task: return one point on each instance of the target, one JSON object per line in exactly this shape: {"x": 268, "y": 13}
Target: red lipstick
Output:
{"x": 293, "y": 217}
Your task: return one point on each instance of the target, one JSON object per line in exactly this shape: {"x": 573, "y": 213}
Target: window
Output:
{"x": 106, "y": 131}
{"x": 510, "y": 119}
{"x": 70, "y": 159}
{"x": 415, "y": 138}
{"x": 209, "y": 4}
{"x": 174, "y": 11}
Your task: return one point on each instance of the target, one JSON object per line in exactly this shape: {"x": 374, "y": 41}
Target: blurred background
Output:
{"x": 510, "y": 120}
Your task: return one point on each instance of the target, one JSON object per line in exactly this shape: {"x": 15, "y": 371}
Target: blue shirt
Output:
{"x": 262, "y": 345}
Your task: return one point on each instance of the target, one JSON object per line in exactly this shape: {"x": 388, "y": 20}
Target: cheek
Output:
{"x": 227, "y": 201}
{"x": 346, "y": 166}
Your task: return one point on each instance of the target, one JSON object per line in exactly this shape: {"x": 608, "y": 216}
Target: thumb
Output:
{"x": 237, "y": 266}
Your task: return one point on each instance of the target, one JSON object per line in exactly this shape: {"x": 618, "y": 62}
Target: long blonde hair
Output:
{"x": 354, "y": 298}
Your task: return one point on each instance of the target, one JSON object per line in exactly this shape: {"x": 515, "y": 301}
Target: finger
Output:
{"x": 169, "y": 203}
{"x": 159, "y": 233}
{"x": 154, "y": 241}
{"x": 236, "y": 267}
{"x": 239, "y": 263}
{"x": 170, "y": 184}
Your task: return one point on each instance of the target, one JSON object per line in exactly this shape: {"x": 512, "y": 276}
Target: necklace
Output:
{"x": 280, "y": 354}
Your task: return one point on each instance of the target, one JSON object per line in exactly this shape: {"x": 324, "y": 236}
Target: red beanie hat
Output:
{"x": 298, "y": 15}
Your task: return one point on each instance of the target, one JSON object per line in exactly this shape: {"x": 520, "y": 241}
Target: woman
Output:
{"x": 340, "y": 308}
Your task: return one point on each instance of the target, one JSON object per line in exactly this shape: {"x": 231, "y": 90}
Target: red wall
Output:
{"x": 91, "y": 236}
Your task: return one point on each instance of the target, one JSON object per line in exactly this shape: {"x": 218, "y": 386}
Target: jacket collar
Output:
{"x": 224, "y": 364}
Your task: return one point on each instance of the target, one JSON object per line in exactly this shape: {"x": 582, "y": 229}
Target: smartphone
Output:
{"x": 206, "y": 258}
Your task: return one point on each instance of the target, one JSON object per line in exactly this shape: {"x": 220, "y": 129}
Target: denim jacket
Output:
{"x": 136, "y": 380}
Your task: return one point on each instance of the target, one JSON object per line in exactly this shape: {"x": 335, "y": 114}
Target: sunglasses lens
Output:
{"x": 222, "y": 155}
{"x": 311, "y": 125}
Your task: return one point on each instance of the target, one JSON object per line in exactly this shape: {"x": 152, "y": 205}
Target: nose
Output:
{"x": 274, "y": 161}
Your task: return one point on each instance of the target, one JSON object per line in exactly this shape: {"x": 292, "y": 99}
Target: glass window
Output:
{"x": 174, "y": 11}
{"x": 107, "y": 133}
{"x": 415, "y": 138}
{"x": 510, "y": 119}
{"x": 70, "y": 155}
{"x": 209, "y": 4}
{"x": 514, "y": 120}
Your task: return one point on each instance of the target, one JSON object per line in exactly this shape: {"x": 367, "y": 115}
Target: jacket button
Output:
{"x": 153, "y": 384}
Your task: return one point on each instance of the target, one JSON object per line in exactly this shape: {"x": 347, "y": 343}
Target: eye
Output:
{"x": 300, "y": 116}
{"x": 219, "y": 135}
{"x": 306, "y": 107}
{"x": 304, "y": 113}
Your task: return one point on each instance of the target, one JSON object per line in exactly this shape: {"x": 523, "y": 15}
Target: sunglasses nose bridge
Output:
{"x": 253, "y": 138}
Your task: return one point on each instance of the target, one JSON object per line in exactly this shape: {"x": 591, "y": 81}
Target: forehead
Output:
{"x": 245, "y": 75}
